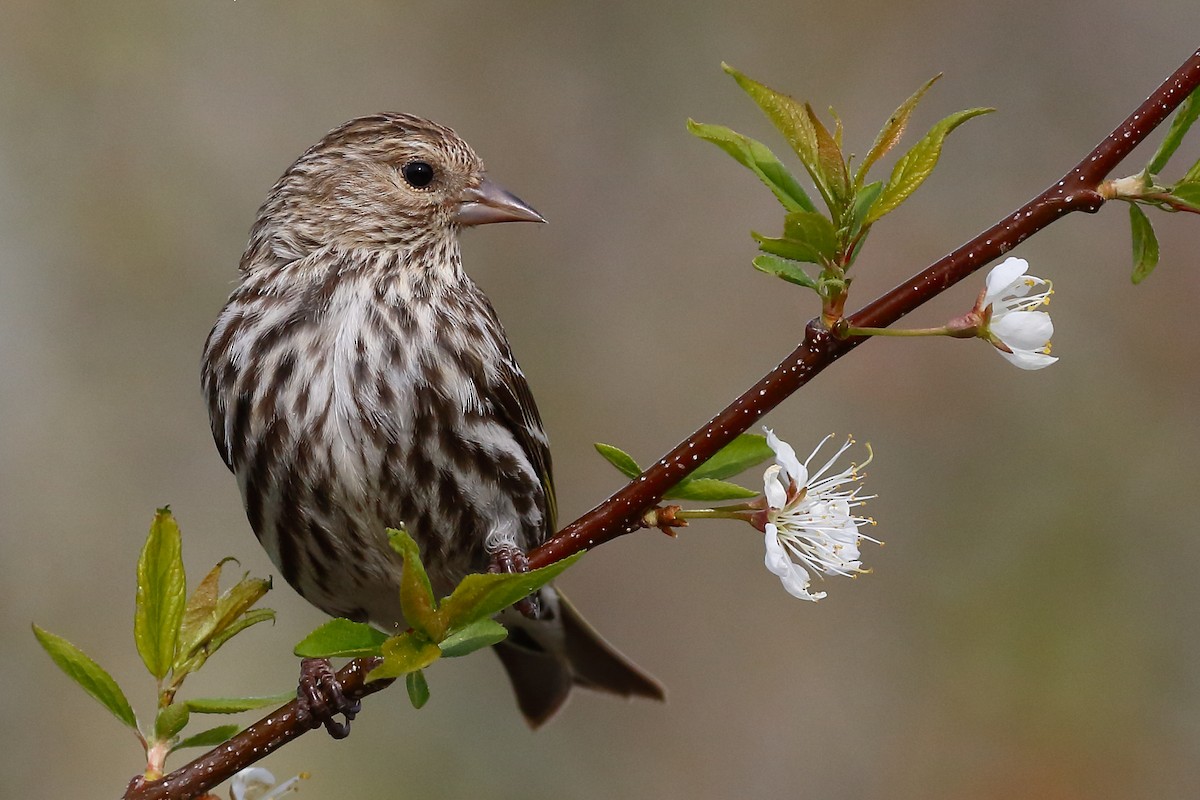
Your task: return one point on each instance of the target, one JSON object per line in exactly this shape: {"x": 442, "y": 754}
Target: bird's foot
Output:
{"x": 509, "y": 559}
{"x": 321, "y": 699}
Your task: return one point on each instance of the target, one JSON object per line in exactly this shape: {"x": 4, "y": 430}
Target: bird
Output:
{"x": 357, "y": 379}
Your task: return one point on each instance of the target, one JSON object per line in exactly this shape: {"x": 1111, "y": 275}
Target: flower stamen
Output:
{"x": 809, "y": 526}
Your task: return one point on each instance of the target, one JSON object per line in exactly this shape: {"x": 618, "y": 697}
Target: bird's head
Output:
{"x": 383, "y": 181}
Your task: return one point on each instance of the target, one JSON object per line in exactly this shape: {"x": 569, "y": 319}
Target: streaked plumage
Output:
{"x": 357, "y": 379}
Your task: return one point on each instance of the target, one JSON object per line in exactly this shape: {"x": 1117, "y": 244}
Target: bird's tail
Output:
{"x": 544, "y": 658}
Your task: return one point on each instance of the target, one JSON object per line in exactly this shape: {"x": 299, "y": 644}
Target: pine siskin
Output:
{"x": 358, "y": 379}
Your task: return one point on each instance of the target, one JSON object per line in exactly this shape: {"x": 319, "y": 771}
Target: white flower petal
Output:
{"x": 1002, "y": 277}
{"x": 773, "y": 487}
{"x": 796, "y": 585}
{"x": 776, "y": 559}
{"x": 785, "y": 457}
{"x": 1024, "y": 330}
{"x": 1027, "y": 359}
{"x": 795, "y": 579}
{"x": 251, "y": 783}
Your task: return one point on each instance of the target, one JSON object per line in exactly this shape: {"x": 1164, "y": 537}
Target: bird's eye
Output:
{"x": 419, "y": 174}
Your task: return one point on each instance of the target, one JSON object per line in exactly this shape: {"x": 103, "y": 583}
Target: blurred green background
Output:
{"x": 1029, "y": 628}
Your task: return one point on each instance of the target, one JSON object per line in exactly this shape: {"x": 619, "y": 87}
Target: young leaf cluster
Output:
{"x": 175, "y": 634}
{"x": 457, "y": 625}
{"x": 831, "y": 239}
{"x": 707, "y": 482}
{"x": 1183, "y": 195}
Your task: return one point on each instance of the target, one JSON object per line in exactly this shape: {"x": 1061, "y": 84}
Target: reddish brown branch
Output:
{"x": 621, "y": 513}
{"x": 1075, "y": 191}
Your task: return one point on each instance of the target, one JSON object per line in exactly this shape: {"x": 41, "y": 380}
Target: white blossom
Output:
{"x": 809, "y": 526}
{"x": 1017, "y": 331}
{"x": 256, "y": 783}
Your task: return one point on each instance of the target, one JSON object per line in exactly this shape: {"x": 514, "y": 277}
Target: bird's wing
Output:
{"x": 518, "y": 413}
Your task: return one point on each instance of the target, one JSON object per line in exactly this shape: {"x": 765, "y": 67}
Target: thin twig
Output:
{"x": 622, "y": 512}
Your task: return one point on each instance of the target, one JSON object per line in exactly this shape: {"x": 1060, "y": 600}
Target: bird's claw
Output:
{"x": 508, "y": 559}
{"x": 321, "y": 699}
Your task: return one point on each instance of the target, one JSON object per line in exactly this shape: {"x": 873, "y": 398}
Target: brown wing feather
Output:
{"x": 517, "y": 411}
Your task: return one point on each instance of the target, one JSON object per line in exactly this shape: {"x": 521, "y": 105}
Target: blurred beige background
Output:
{"x": 1029, "y": 629}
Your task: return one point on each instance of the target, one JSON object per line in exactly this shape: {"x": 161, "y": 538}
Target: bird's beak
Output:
{"x": 488, "y": 202}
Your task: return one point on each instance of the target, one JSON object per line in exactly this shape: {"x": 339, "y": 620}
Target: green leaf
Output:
{"x": 171, "y": 720}
{"x": 863, "y": 200}
{"x": 1188, "y": 111}
{"x": 1145, "y": 244}
{"x": 708, "y": 490}
{"x": 759, "y": 159}
{"x": 479, "y": 634}
{"x": 234, "y": 705}
{"x": 199, "y": 614}
{"x": 889, "y": 135}
{"x": 88, "y": 674}
{"x": 403, "y": 654}
{"x": 1192, "y": 175}
{"x": 807, "y": 237}
{"x": 210, "y": 620}
{"x": 785, "y": 268}
{"x": 1188, "y": 193}
{"x": 744, "y": 452}
{"x": 209, "y": 738}
{"x": 418, "y": 689}
{"x": 416, "y": 593}
{"x": 239, "y": 598}
{"x": 791, "y": 118}
{"x": 788, "y": 248}
{"x": 341, "y": 637}
{"x": 831, "y": 162}
{"x": 479, "y": 596}
{"x": 161, "y": 595}
{"x": 251, "y": 617}
{"x": 619, "y": 459}
{"x": 837, "y": 131}
{"x": 916, "y": 165}
{"x": 854, "y": 251}
{"x": 814, "y": 230}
